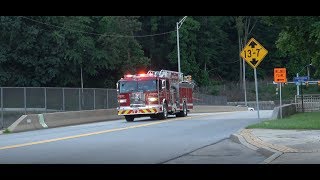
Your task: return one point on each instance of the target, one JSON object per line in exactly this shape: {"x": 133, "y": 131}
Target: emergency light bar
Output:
{"x": 138, "y": 75}
{"x": 128, "y": 75}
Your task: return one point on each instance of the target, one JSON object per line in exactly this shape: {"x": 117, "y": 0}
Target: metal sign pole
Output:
{"x": 297, "y": 86}
{"x": 2, "y": 121}
{"x": 257, "y": 96}
{"x": 244, "y": 82}
{"x": 280, "y": 102}
{"x": 302, "y": 97}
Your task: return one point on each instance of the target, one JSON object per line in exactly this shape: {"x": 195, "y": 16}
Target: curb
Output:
{"x": 237, "y": 138}
{"x": 265, "y": 151}
{"x": 240, "y": 140}
{"x": 271, "y": 158}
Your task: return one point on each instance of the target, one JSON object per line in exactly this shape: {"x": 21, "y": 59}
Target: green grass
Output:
{"x": 309, "y": 120}
{"x": 6, "y": 131}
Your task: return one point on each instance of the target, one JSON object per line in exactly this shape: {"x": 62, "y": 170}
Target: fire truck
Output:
{"x": 155, "y": 94}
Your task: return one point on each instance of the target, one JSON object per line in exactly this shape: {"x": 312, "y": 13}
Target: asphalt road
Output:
{"x": 223, "y": 152}
{"x": 143, "y": 141}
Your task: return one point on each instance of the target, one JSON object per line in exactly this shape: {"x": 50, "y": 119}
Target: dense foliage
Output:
{"x": 52, "y": 50}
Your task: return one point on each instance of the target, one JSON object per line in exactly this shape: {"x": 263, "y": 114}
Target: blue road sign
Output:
{"x": 301, "y": 79}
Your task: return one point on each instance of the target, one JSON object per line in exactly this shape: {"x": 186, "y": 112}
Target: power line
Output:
{"x": 98, "y": 34}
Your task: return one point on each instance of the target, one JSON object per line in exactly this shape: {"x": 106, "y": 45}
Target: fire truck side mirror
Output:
{"x": 117, "y": 86}
{"x": 163, "y": 84}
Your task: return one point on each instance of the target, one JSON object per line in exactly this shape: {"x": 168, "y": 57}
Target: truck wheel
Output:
{"x": 184, "y": 111}
{"x": 129, "y": 118}
{"x": 164, "y": 114}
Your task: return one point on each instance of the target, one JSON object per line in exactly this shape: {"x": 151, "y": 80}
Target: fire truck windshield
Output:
{"x": 135, "y": 86}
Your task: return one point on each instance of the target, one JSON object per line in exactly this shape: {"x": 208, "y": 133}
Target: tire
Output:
{"x": 184, "y": 111}
{"x": 164, "y": 114}
{"x": 129, "y": 118}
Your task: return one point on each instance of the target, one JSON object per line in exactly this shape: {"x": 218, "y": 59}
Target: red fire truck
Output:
{"x": 155, "y": 94}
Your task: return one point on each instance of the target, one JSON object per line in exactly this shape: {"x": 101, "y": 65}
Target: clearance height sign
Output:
{"x": 253, "y": 53}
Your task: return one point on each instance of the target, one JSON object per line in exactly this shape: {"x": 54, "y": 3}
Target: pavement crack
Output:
{"x": 188, "y": 153}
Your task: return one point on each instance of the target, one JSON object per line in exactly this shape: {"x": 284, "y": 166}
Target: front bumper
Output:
{"x": 127, "y": 110}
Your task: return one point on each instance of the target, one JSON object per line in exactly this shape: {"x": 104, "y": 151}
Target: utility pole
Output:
{"x": 81, "y": 77}
{"x": 179, "y": 24}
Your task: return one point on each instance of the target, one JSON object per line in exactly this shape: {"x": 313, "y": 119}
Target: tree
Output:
{"x": 119, "y": 51}
{"x": 30, "y": 56}
{"x": 187, "y": 42}
{"x": 157, "y": 47}
{"x": 212, "y": 52}
{"x": 51, "y": 51}
{"x": 298, "y": 42}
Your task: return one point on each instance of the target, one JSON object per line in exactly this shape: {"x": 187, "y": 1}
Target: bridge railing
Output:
{"x": 311, "y": 102}
{"x": 17, "y": 101}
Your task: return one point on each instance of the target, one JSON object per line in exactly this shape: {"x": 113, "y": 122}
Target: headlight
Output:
{"x": 122, "y": 100}
{"x": 152, "y": 99}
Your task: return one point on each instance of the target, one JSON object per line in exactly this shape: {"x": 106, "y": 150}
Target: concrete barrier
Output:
{"x": 287, "y": 110}
{"x": 208, "y": 109}
{"x": 50, "y": 120}
{"x": 26, "y": 123}
{"x": 263, "y": 105}
{"x": 79, "y": 117}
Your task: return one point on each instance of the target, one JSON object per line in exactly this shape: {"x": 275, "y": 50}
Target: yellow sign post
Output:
{"x": 253, "y": 53}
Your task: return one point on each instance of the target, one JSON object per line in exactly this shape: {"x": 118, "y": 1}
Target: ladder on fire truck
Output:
{"x": 173, "y": 75}
{"x": 170, "y": 75}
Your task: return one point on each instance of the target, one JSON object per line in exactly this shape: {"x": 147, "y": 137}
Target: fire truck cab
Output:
{"x": 155, "y": 94}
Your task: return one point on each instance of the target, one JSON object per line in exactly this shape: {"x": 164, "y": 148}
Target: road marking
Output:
{"x": 96, "y": 133}
{"x": 41, "y": 121}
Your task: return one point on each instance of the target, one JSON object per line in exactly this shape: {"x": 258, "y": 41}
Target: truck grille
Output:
{"x": 137, "y": 99}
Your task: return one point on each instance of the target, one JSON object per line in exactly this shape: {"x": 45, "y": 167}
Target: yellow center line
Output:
{"x": 93, "y": 133}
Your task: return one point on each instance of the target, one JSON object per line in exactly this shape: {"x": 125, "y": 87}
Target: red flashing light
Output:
{"x": 142, "y": 75}
{"x": 137, "y": 75}
{"x": 128, "y": 76}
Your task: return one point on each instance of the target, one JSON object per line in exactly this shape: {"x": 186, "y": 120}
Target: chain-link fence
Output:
{"x": 17, "y": 101}
{"x": 204, "y": 99}
{"x": 235, "y": 92}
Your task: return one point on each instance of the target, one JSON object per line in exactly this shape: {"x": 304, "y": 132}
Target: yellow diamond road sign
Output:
{"x": 253, "y": 53}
